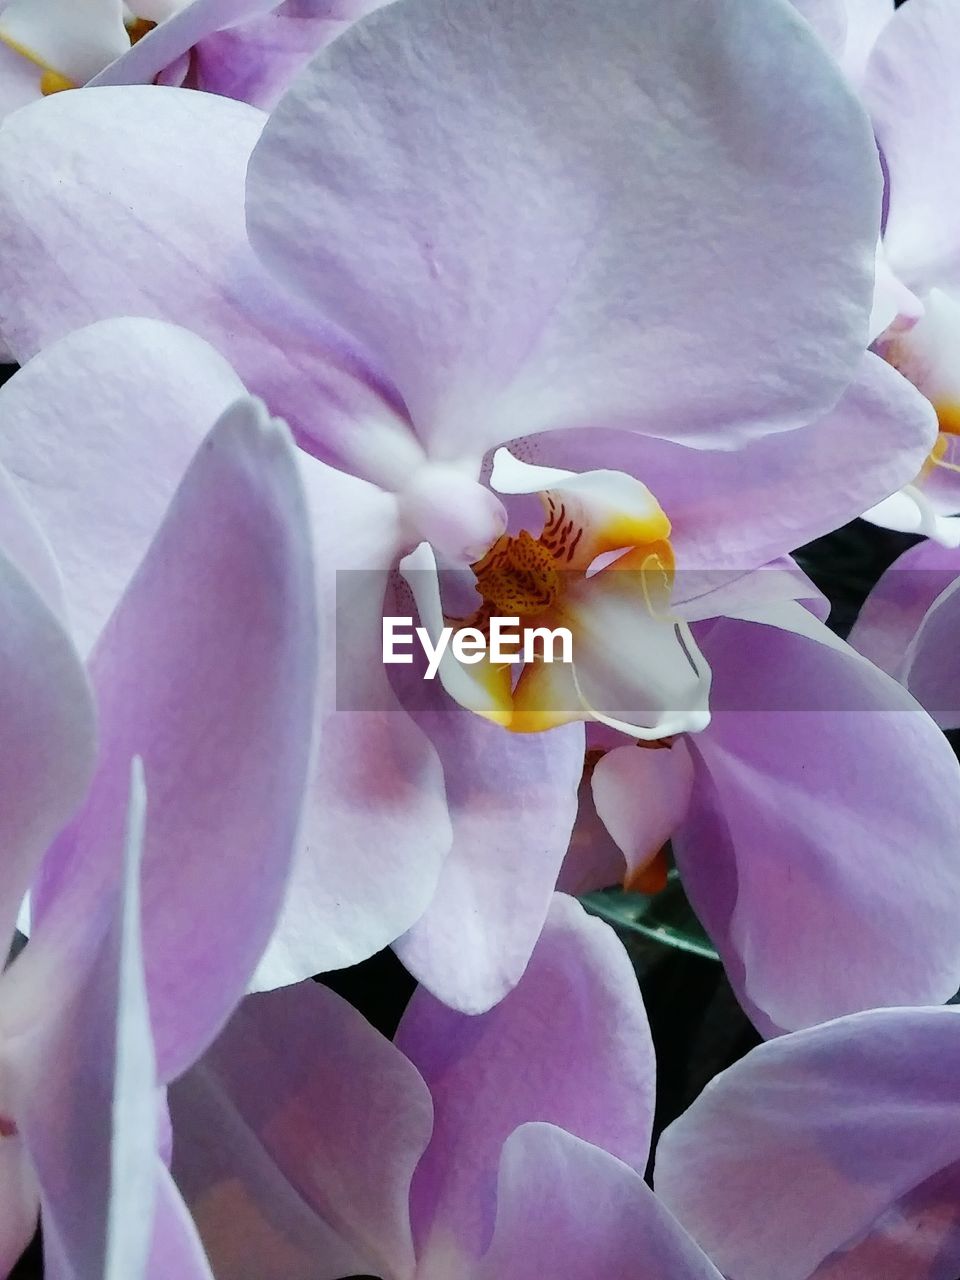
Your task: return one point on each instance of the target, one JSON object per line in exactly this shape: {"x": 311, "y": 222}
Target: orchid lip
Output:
{"x": 602, "y": 568}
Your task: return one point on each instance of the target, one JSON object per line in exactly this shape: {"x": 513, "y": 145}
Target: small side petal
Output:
{"x": 647, "y": 152}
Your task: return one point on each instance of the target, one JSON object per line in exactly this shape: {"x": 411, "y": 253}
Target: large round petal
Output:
{"x": 910, "y": 90}
{"x": 151, "y": 224}
{"x": 296, "y": 1141}
{"x": 829, "y": 1153}
{"x": 677, "y": 267}
{"x": 822, "y": 847}
{"x": 206, "y": 670}
{"x": 570, "y": 1045}
{"x": 566, "y": 1208}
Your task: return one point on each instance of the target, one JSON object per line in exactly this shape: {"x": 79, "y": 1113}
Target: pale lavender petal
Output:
{"x": 296, "y": 1141}
{"x": 566, "y": 1208}
{"x": 736, "y": 510}
{"x": 19, "y": 81}
{"x": 932, "y": 667}
{"x": 157, "y": 181}
{"x": 107, "y": 420}
{"x": 19, "y": 1201}
{"x": 376, "y": 828}
{"x": 512, "y": 800}
{"x": 25, "y": 544}
{"x": 828, "y": 19}
{"x": 819, "y": 849}
{"x": 647, "y": 152}
{"x": 256, "y": 61}
{"x": 79, "y": 1055}
{"x": 817, "y": 1139}
{"x": 910, "y": 90}
{"x": 865, "y": 21}
{"x": 569, "y": 1046}
{"x": 206, "y": 670}
{"x": 49, "y": 748}
{"x": 896, "y": 607}
{"x": 175, "y": 1250}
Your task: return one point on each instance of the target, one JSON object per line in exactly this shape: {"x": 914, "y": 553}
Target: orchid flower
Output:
{"x": 830, "y": 1154}
{"x": 904, "y": 65}
{"x": 508, "y": 1146}
{"x": 135, "y": 961}
{"x": 248, "y": 49}
{"x": 435, "y": 329}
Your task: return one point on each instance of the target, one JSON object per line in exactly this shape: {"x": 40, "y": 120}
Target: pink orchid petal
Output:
{"x": 176, "y": 1252}
{"x": 795, "y": 1154}
{"x": 25, "y": 544}
{"x": 297, "y": 1138}
{"x": 19, "y": 1201}
{"x": 158, "y": 176}
{"x": 910, "y": 91}
{"x": 376, "y": 829}
{"x": 256, "y": 61}
{"x": 646, "y": 151}
{"x": 733, "y": 511}
{"x": 19, "y": 81}
{"x": 512, "y": 800}
{"x": 47, "y": 719}
{"x": 566, "y": 1208}
{"x": 866, "y": 19}
{"x": 108, "y": 420}
{"x": 895, "y": 609}
{"x": 206, "y": 670}
{"x": 79, "y": 1055}
{"x": 570, "y": 1045}
{"x": 932, "y": 668}
{"x": 823, "y": 794}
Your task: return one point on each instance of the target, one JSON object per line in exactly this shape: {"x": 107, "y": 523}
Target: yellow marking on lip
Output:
{"x": 948, "y": 416}
{"x": 51, "y": 80}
